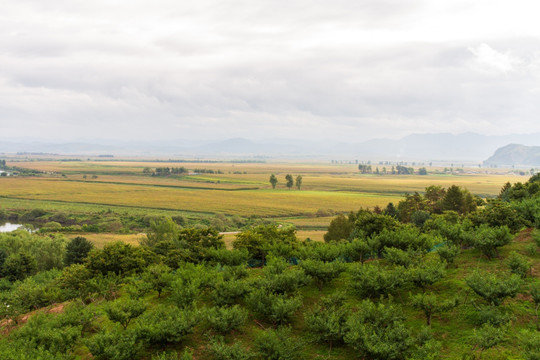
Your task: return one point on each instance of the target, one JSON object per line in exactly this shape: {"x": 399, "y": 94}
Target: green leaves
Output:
{"x": 492, "y": 288}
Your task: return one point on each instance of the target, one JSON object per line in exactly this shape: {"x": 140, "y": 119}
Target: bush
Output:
{"x": 373, "y": 280}
{"x": 488, "y": 239}
{"x": 228, "y": 292}
{"x": 54, "y": 333}
{"x": 426, "y": 274}
{"x": 430, "y": 304}
{"x": 114, "y": 345}
{"x": 123, "y": 311}
{"x": 225, "y": 319}
{"x": 164, "y": 325}
{"x": 220, "y": 351}
{"x": 379, "y": 332}
{"x": 518, "y": 264}
{"x": 401, "y": 257}
{"x": 448, "y": 253}
{"x": 278, "y": 344}
{"x": 492, "y": 288}
{"x": 276, "y": 308}
{"x": 326, "y": 322}
{"x": 531, "y": 345}
{"x": 18, "y": 266}
{"x": 119, "y": 258}
{"x": 322, "y": 272}
{"x": 158, "y": 277}
{"x": 488, "y": 336}
{"x": 227, "y": 257}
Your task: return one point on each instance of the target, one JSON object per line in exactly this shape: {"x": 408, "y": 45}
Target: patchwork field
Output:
{"x": 240, "y": 189}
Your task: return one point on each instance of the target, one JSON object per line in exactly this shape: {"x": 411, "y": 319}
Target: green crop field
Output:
{"x": 238, "y": 189}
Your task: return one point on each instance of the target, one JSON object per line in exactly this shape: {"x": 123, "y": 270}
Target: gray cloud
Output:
{"x": 308, "y": 69}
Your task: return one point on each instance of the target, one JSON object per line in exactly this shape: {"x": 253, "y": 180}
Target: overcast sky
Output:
{"x": 310, "y": 69}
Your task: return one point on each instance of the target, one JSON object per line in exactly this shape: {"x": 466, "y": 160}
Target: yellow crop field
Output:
{"x": 102, "y": 239}
{"x": 240, "y": 189}
{"x": 261, "y": 202}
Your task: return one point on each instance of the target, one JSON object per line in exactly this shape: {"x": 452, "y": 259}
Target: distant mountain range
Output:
{"x": 515, "y": 154}
{"x": 415, "y": 147}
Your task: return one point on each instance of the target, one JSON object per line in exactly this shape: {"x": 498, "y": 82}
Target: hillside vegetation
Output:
{"x": 442, "y": 274}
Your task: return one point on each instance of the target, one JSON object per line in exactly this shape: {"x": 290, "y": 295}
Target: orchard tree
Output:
{"x": 430, "y": 304}
{"x": 492, "y": 288}
{"x": 273, "y": 181}
{"x": 322, "y": 272}
{"x": 488, "y": 239}
{"x": 123, "y": 311}
{"x": 290, "y": 181}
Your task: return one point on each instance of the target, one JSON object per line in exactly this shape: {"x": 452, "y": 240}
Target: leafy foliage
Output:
{"x": 492, "y": 288}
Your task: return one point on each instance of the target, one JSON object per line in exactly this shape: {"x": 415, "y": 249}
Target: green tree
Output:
{"x": 378, "y": 331}
{"x": 488, "y": 239}
{"x": 278, "y": 344}
{"x": 225, "y": 319}
{"x": 492, "y": 288}
{"x": 18, "y": 266}
{"x": 77, "y": 250}
{"x": 340, "y": 228}
{"x": 123, "y": 311}
{"x": 327, "y": 321}
{"x": 322, "y": 272}
{"x": 164, "y": 229}
{"x": 289, "y": 181}
{"x": 430, "y": 304}
{"x": 165, "y": 325}
{"x": 118, "y": 258}
{"x": 273, "y": 181}
{"x": 298, "y": 182}
{"x": 158, "y": 277}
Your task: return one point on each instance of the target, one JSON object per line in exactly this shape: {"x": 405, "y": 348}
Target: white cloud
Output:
{"x": 492, "y": 60}
{"x": 346, "y": 70}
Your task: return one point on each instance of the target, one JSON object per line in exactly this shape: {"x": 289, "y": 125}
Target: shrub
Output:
{"x": 448, "y": 253}
{"x": 118, "y": 258}
{"x": 278, "y": 344}
{"x": 227, "y": 257}
{"x": 165, "y": 324}
{"x": 379, "y": 332}
{"x": 489, "y": 336}
{"x": 430, "y": 304}
{"x": 401, "y": 257}
{"x": 358, "y": 249}
{"x": 426, "y": 274}
{"x": 18, "y": 266}
{"x": 123, "y": 311}
{"x": 492, "y": 288}
{"x": 114, "y": 345}
{"x": 220, "y": 351}
{"x": 374, "y": 280}
{"x": 326, "y": 322}
{"x": 276, "y": 308}
{"x": 531, "y": 345}
{"x": 488, "y": 239}
{"x": 228, "y": 292}
{"x": 322, "y": 272}
{"x": 225, "y": 319}
{"x": 518, "y": 264}
{"x": 54, "y": 333}
{"x": 158, "y": 277}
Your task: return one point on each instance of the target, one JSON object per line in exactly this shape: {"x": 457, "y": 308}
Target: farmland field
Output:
{"x": 240, "y": 189}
